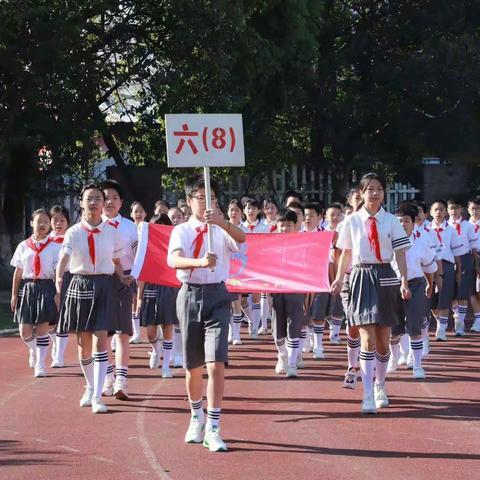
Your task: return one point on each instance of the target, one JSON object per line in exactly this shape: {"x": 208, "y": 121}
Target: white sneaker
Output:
{"x": 381, "y": 399}
{"x": 98, "y": 406}
{"x": 135, "y": 339}
{"x": 402, "y": 359}
{"x": 86, "y": 400}
{"x": 426, "y": 348}
{"x": 300, "y": 362}
{"x": 419, "y": 373}
{"x": 32, "y": 359}
{"x": 57, "y": 364}
{"x": 237, "y": 341}
{"x": 306, "y": 347}
{"x": 120, "y": 390}
{"x": 167, "y": 373}
{"x": 368, "y": 403}
{"x": 263, "y": 331}
{"x": 108, "y": 385}
{"x": 410, "y": 360}
{"x": 281, "y": 366}
{"x": 350, "y": 380}
{"x": 254, "y": 333}
{"x": 318, "y": 353}
{"x": 392, "y": 364}
{"x": 441, "y": 335}
{"x": 178, "y": 361}
{"x": 292, "y": 372}
{"x": 154, "y": 361}
{"x": 476, "y": 326}
{"x": 195, "y": 430}
{"x": 459, "y": 328}
{"x": 39, "y": 371}
{"x": 335, "y": 339}
{"x": 213, "y": 441}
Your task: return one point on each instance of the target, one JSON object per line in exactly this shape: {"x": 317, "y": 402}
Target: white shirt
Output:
{"x": 354, "y": 236}
{"x": 450, "y": 245}
{"x": 476, "y": 231}
{"x": 24, "y": 256}
{"x": 108, "y": 246}
{"x": 468, "y": 238}
{"x": 62, "y": 237}
{"x": 128, "y": 231}
{"x": 269, "y": 227}
{"x": 183, "y": 237}
{"x": 420, "y": 258}
{"x": 258, "y": 227}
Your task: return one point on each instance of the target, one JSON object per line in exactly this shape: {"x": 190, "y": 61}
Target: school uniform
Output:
{"x": 469, "y": 240}
{"x": 256, "y": 227}
{"x": 374, "y": 288}
{"x": 420, "y": 259}
{"x": 129, "y": 240}
{"x": 447, "y": 246}
{"x": 91, "y": 302}
{"x": 158, "y": 305}
{"x": 288, "y": 316}
{"x": 203, "y": 302}
{"x": 36, "y": 294}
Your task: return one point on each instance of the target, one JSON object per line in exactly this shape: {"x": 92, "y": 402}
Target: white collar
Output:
{"x": 364, "y": 215}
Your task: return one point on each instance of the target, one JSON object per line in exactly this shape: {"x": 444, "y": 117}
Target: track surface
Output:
{"x": 275, "y": 428}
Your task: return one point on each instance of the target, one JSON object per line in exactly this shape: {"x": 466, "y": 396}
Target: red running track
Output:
{"x": 276, "y": 428}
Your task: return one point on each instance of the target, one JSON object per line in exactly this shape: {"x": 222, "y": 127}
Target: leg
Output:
{"x": 156, "y": 353}
{"x": 382, "y": 356}
{"x": 367, "y": 365}
{"x": 475, "y": 301}
{"x": 236, "y": 322}
{"x": 167, "y": 350}
{"x": 100, "y": 356}
{"x": 255, "y": 313}
{"x": 41, "y": 331}
{"x": 84, "y": 341}
{"x": 122, "y": 356}
{"x": 318, "y": 330}
{"x": 28, "y": 336}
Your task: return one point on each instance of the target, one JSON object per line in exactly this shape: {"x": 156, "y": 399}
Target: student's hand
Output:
{"x": 208, "y": 261}
{"x": 429, "y": 291}
{"x": 405, "y": 292}
{"x": 336, "y": 287}
{"x": 13, "y": 303}
{"x": 126, "y": 279}
{"x": 213, "y": 217}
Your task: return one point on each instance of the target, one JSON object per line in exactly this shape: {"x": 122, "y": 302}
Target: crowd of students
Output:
{"x": 389, "y": 273}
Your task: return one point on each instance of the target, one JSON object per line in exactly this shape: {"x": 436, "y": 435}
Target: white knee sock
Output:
{"x": 167, "y": 353}
{"x": 462, "y": 313}
{"x": 136, "y": 324}
{"x": 335, "y": 325}
{"x": 31, "y": 343}
{"x": 395, "y": 348}
{"x": 281, "y": 347}
{"x": 353, "y": 350}
{"x": 405, "y": 343}
{"x": 61, "y": 341}
{"x": 86, "y": 365}
{"x": 293, "y": 345}
{"x": 264, "y": 310}
{"x": 367, "y": 366}
{"x": 417, "y": 350}
{"x": 42, "y": 350}
{"x": 318, "y": 335}
{"x": 381, "y": 363}
{"x": 100, "y": 365}
{"x": 177, "y": 342}
{"x": 255, "y": 316}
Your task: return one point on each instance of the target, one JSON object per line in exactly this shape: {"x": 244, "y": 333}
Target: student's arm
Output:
{"x": 60, "y": 270}
{"x": 438, "y": 276}
{"x": 125, "y": 279}
{"x": 402, "y": 268}
{"x": 213, "y": 217}
{"x": 141, "y": 288}
{"x": 429, "y": 288}
{"x": 178, "y": 261}
{"x": 344, "y": 263}
{"x": 17, "y": 278}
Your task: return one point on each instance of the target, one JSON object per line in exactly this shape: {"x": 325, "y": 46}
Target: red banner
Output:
{"x": 267, "y": 262}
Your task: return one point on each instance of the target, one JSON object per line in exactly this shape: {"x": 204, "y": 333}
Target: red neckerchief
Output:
{"x": 251, "y": 227}
{"x": 198, "y": 242}
{"x": 91, "y": 242}
{"x": 373, "y": 238}
{"x": 37, "y": 264}
{"x": 113, "y": 223}
{"x": 439, "y": 230}
{"x": 58, "y": 239}
{"x": 273, "y": 228}
{"x": 458, "y": 228}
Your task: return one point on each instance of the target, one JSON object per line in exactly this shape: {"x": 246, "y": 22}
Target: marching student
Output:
{"x": 94, "y": 249}
{"x": 33, "y": 289}
{"x": 447, "y": 243}
{"x": 235, "y": 216}
{"x": 300, "y": 212}
{"x": 421, "y": 266}
{"x": 137, "y": 213}
{"x": 288, "y": 312}
{"x": 370, "y": 238}
{"x": 468, "y": 260}
{"x": 474, "y": 212}
{"x": 157, "y": 307}
{"x": 203, "y": 306}
{"x": 123, "y": 322}
{"x": 59, "y": 222}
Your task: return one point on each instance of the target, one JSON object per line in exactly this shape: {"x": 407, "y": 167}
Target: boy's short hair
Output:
{"x": 311, "y": 206}
{"x": 92, "y": 186}
{"x": 197, "y": 182}
{"x": 474, "y": 200}
{"x": 336, "y": 205}
{"x": 60, "y": 209}
{"x": 161, "y": 203}
{"x": 439, "y": 200}
{"x": 161, "y": 219}
{"x": 292, "y": 193}
{"x": 114, "y": 185}
{"x": 286, "y": 215}
{"x": 297, "y": 205}
{"x": 251, "y": 201}
{"x": 454, "y": 201}
{"x": 421, "y": 204}
{"x": 407, "y": 210}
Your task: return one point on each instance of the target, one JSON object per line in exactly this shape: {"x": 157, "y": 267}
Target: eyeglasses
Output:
{"x": 202, "y": 198}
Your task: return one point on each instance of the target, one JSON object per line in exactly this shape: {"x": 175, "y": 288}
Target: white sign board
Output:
{"x": 205, "y": 140}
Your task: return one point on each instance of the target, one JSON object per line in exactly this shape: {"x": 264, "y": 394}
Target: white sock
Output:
{"x": 264, "y": 310}
{"x": 281, "y": 347}
{"x": 455, "y": 309}
{"x": 395, "y": 348}
{"x": 425, "y": 328}
{"x": 42, "y": 350}
{"x": 318, "y": 335}
{"x": 86, "y": 365}
{"x": 293, "y": 345}
{"x": 477, "y": 317}
{"x": 100, "y": 365}
{"x": 178, "y": 342}
{"x": 213, "y": 417}
{"x": 236, "y": 325}
{"x": 31, "y": 343}
{"x": 381, "y": 363}
{"x": 121, "y": 373}
{"x": 462, "y": 313}
{"x": 442, "y": 322}
{"x": 353, "y": 350}
{"x": 110, "y": 370}
{"x": 303, "y": 339}
{"x": 405, "y": 343}
{"x": 167, "y": 353}
{"x": 61, "y": 341}
{"x": 417, "y": 350}
{"x": 336, "y": 325}
{"x": 52, "y": 335}
{"x": 255, "y": 316}
{"x": 367, "y": 366}
{"x": 136, "y": 324}
{"x": 197, "y": 409}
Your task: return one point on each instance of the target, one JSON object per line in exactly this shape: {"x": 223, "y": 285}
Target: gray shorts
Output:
{"x": 123, "y": 321}
{"x": 414, "y": 309}
{"x": 204, "y": 315}
{"x": 288, "y": 317}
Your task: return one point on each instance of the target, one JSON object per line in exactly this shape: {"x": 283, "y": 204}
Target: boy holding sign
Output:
{"x": 203, "y": 306}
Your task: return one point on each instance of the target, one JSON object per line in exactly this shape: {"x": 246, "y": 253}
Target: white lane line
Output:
{"x": 13, "y": 394}
{"x": 103, "y": 459}
{"x": 40, "y": 440}
{"x": 68, "y": 449}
